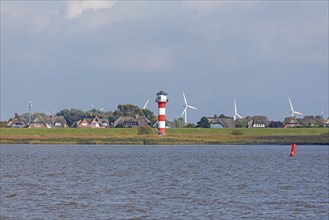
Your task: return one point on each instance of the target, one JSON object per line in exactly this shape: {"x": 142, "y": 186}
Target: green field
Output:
{"x": 175, "y": 136}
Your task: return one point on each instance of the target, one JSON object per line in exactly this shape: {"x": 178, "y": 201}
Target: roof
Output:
{"x": 104, "y": 120}
{"x": 139, "y": 120}
{"x": 310, "y": 121}
{"x": 258, "y": 120}
{"x": 293, "y": 122}
{"x": 161, "y": 93}
{"x": 17, "y": 120}
{"x": 53, "y": 121}
{"x": 90, "y": 119}
{"x": 226, "y": 122}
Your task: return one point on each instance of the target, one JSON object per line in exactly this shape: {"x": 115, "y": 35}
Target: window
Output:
{"x": 58, "y": 124}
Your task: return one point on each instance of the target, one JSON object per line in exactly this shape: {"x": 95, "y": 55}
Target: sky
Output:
{"x": 71, "y": 54}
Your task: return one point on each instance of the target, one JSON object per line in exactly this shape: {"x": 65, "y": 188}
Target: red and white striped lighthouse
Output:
{"x": 162, "y": 99}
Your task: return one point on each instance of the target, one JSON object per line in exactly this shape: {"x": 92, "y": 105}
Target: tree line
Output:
{"x": 73, "y": 115}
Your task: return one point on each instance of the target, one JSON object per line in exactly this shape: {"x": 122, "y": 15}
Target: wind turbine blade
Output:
{"x": 184, "y": 99}
{"x": 101, "y": 109}
{"x": 192, "y": 107}
{"x": 184, "y": 111}
{"x": 144, "y": 107}
{"x": 235, "y": 110}
{"x": 92, "y": 106}
{"x": 292, "y": 109}
{"x": 239, "y": 115}
{"x": 298, "y": 113}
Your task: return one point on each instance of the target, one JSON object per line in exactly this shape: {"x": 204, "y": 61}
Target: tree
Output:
{"x": 111, "y": 120}
{"x": 148, "y": 114}
{"x": 276, "y": 124}
{"x": 179, "y": 122}
{"x": 95, "y": 112}
{"x": 243, "y": 122}
{"x": 189, "y": 125}
{"x": 71, "y": 115}
{"x": 33, "y": 116}
{"x": 127, "y": 110}
{"x": 203, "y": 123}
{"x": 287, "y": 120}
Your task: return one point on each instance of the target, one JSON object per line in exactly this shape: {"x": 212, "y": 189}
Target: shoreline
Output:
{"x": 178, "y": 136}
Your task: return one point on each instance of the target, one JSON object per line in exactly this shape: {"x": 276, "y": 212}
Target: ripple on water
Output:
{"x": 186, "y": 182}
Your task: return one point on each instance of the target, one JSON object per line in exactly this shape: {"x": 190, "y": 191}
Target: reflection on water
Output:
{"x": 164, "y": 182}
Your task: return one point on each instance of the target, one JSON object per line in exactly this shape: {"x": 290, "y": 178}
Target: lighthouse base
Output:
{"x": 161, "y": 131}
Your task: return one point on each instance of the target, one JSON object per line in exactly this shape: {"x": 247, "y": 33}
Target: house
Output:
{"x": 258, "y": 122}
{"x": 105, "y": 122}
{"x": 221, "y": 122}
{"x": 91, "y": 122}
{"x": 311, "y": 121}
{"x": 293, "y": 122}
{"x": 131, "y": 121}
{"x": 17, "y": 122}
{"x": 49, "y": 122}
{"x": 326, "y": 123}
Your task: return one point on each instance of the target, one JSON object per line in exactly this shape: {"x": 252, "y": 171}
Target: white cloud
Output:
{"x": 75, "y": 8}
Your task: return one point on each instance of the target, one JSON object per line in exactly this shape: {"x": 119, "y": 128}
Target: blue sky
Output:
{"x": 71, "y": 54}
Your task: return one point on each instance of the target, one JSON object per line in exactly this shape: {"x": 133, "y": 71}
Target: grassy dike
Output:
{"x": 174, "y": 136}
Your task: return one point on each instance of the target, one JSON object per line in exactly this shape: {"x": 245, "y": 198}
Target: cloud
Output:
{"x": 249, "y": 46}
{"x": 75, "y": 8}
{"x": 136, "y": 60}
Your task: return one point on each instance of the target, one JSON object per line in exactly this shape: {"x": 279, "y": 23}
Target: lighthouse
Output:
{"x": 162, "y": 99}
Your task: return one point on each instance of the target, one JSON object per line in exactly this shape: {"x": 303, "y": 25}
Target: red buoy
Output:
{"x": 293, "y": 150}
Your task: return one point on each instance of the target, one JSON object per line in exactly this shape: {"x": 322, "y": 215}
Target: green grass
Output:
{"x": 188, "y": 136}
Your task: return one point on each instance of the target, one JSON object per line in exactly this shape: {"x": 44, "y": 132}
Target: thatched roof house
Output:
{"x": 310, "y": 121}
{"x": 17, "y": 122}
{"x": 91, "y": 122}
{"x": 221, "y": 122}
{"x": 326, "y": 123}
{"x": 258, "y": 122}
{"x": 131, "y": 121}
{"x": 49, "y": 122}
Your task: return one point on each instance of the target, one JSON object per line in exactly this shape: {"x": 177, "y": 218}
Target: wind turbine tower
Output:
{"x": 30, "y": 105}
{"x": 186, "y": 106}
{"x": 236, "y": 112}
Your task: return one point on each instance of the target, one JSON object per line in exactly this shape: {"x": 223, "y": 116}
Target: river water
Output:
{"x": 164, "y": 182}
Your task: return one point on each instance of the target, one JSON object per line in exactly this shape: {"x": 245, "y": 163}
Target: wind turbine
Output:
{"x": 293, "y": 112}
{"x": 236, "y": 112}
{"x": 186, "y": 106}
{"x": 147, "y": 102}
{"x": 93, "y": 107}
{"x": 30, "y": 105}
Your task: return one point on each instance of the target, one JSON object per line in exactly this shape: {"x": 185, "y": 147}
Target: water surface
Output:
{"x": 164, "y": 182}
